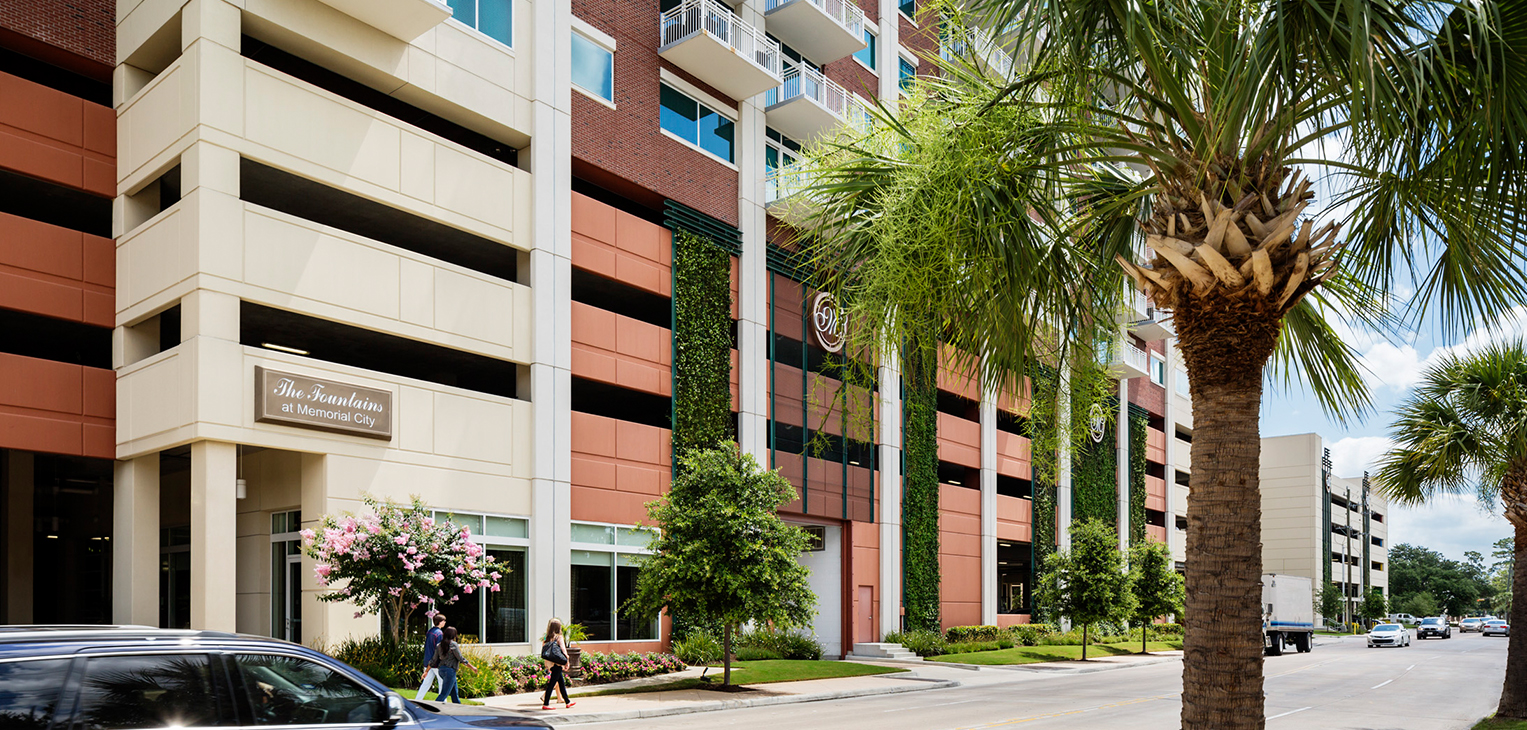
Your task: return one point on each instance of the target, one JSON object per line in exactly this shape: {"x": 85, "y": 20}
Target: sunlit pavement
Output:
{"x": 1436, "y": 684}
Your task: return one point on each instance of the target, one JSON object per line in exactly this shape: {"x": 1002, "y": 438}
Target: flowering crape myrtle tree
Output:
{"x": 397, "y": 559}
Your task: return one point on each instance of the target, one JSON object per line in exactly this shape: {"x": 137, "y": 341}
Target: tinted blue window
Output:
{"x": 495, "y": 19}
{"x": 867, "y": 55}
{"x": 909, "y": 8}
{"x": 908, "y": 72}
{"x": 679, "y": 114}
{"x": 464, "y": 11}
{"x": 716, "y": 134}
{"x": 593, "y": 67}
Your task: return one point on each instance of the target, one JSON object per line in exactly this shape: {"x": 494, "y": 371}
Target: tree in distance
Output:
{"x": 1464, "y": 431}
{"x": 1156, "y": 587}
{"x": 1500, "y": 574}
{"x": 1328, "y": 602}
{"x": 1056, "y": 136}
{"x": 1374, "y": 606}
{"x": 1087, "y": 583}
{"x": 723, "y": 554}
{"x": 1418, "y": 604}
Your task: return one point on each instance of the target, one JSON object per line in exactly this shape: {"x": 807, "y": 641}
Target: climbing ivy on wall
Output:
{"x": 702, "y": 342}
{"x": 919, "y": 506}
{"x": 1138, "y": 423}
{"x": 1095, "y": 477}
{"x": 1042, "y": 539}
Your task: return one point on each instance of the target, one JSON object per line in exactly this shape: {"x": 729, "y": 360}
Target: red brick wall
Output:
{"x": 85, "y": 28}
{"x": 627, "y": 142}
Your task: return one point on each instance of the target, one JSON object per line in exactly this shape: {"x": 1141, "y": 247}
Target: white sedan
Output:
{"x": 1388, "y": 635}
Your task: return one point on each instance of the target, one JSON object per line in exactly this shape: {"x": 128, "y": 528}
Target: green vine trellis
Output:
{"x": 702, "y": 303}
{"x": 1095, "y": 477}
{"x": 920, "y": 571}
{"x": 1138, "y": 424}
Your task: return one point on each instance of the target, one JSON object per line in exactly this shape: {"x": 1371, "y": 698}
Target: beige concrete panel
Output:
{"x": 219, "y": 376}
{"x": 331, "y": 38}
{"x": 477, "y": 307}
{"x": 253, "y": 581}
{"x": 284, "y": 116}
{"x": 469, "y": 186}
{"x": 304, "y": 261}
{"x": 160, "y": 114}
{"x": 441, "y": 488}
{"x": 254, "y": 610}
{"x": 417, "y": 293}
{"x": 213, "y": 542}
{"x": 138, "y": 20}
{"x": 154, "y": 395}
{"x": 275, "y": 483}
{"x": 154, "y": 257}
{"x": 457, "y": 45}
{"x": 416, "y": 420}
{"x": 220, "y": 96}
{"x": 216, "y": 20}
{"x": 475, "y": 428}
{"x": 418, "y": 160}
{"x": 219, "y": 235}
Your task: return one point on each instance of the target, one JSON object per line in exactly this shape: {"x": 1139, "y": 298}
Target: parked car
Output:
{"x": 1434, "y": 626}
{"x": 1388, "y": 635}
{"x": 1470, "y": 624}
{"x": 1495, "y": 626}
{"x": 1404, "y": 619}
{"x": 135, "y": 676}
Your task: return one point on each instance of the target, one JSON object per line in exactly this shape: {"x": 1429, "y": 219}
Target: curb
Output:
{"x": 718, "y": 705}
{"x": 1068, "y": 668}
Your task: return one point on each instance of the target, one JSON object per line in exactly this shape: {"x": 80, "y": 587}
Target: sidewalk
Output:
{"x": 923, "y": 676}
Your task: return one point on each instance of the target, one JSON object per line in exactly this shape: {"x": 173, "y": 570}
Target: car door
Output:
{"x": 285, "y": 690}
{"x": 149, "y": 691}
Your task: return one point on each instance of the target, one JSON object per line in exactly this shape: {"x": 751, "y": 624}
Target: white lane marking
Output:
{"x": 1380, "y": 684}
{"x": 1290, "y": 712}
{"x": 1410, "y": 667}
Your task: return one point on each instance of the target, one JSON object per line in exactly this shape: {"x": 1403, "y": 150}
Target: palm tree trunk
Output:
{"x": 1513, "y": 698}
{"x": 1226, "y": 343}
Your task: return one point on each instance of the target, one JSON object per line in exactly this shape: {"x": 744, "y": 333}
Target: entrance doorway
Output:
{"x": 864, "y": 629}
{"x": 286, "y": 576}
{"x": 175, "y": 577}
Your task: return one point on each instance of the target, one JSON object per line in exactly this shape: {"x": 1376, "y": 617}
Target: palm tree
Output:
{"x": 981, "y": 213}
{"x": 1464, "y": 431}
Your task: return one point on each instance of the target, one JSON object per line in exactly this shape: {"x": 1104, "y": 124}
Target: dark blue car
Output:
{"x": 131, "y": 678}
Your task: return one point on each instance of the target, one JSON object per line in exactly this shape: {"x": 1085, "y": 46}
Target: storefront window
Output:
{"x": 494, "y": 617}
{"x": 1014, "y": 577}
{"x": 605, "y": 567}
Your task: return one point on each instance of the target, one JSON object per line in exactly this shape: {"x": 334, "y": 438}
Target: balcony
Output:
{"x": 1126, "y": 361}
{"x": 823, "y": 30}
{"x": 808, "y": 106}
{"x": 785, "y": 197}
{"x": 401, "y": 19}
{"x": 706, "y": 39}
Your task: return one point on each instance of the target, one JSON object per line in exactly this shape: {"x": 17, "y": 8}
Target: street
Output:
{"x": 1431, "y": 685}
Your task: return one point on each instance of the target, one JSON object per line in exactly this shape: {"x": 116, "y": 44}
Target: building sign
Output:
{"x": 827, "y": 326}
{"x": 298, "y": 400}
{"x": 1097, "y": 422}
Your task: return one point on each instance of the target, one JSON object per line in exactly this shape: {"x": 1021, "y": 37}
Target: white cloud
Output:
{"x": 1399, "y": 367}
{"x": 1352, "y": 456}
{"x": 1388, "y": 366}
{"x": 1450, "y": 525}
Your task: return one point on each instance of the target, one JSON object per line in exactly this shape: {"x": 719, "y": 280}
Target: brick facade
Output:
{"x": 84, "y": 28}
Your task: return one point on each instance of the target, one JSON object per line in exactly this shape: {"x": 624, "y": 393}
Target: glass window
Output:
{"x": 507, "y": 527}
{"x": 494, "y": 18}
{"x": 635, "y": 537}
{"x": 1158, "y": 370}
{"x": 1013, "y": 577}
{"x": 29, "y": 691}
{"x": 594, "y": 534}
{"x": 592, "y": 599}
{"x": 593, "y": 68}
{"x": 147, "y": 691}
{"x": 285, "y": 690}
{"x": 696, "y": 123}
{"x": 908, "y": 72}
{"x": 1183, "y": 388}
{"x": 506, "y": 606}
{"x": 908, "y": 8}
{"x": 866, "y": 55}
{"x": 627, "y": 567}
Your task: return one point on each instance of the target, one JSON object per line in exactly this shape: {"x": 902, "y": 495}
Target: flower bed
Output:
{"x": 527, "y": 673}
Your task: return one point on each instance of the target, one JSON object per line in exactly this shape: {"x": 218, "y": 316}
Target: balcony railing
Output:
{"x": 805, "y": 83}
{"x": 824, "y": 30}
{"x": 843, "y": 12}
{"x": 1124, "y": 360}
{"x": 691, "y": 17}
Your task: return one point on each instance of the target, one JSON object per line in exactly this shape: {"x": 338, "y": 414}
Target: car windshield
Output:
{"x": 1387, "y": 627}
{"x": 1432, "y": 621}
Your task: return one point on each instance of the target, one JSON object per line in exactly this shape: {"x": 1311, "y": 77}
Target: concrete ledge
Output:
{"x": 559, "y": 720}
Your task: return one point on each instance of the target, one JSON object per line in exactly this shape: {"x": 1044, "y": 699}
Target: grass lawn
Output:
{"x": 408, "y": 694}
{"x": 762, "y": 672}
{"x": 1490, "y": 723}
{"x": 1034, "y": 654}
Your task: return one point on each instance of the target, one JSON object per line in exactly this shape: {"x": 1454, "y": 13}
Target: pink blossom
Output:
{"x": 439, "y": 576}
{"x": 400, "y": 539}
{"x": 411, "y": 550}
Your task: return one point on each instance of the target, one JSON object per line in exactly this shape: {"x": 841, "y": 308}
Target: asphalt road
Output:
{"x": 1431, "y": 685}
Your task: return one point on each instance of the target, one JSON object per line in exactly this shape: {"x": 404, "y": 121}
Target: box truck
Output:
{"x": 1288, "y": 613}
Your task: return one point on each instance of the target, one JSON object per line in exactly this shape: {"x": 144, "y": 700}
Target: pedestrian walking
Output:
{"x": 431, "y": 667}
{"x": 554, "y": 653}
{"x": 450, "y": 661}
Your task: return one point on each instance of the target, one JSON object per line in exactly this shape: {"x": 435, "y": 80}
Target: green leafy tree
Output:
{"x": 1418, "y": 604}
{"x": 1374, "y": 606}
{"x": 1464, "y": 431}
{"x": 1156, "y": 587}
{"x": 1501, "y": 572}
{"x": 986, "y": 210}
{"x": 1087, "y": 583}
{"x": 1328, "y": 602}
{"x": 723, "y": 553}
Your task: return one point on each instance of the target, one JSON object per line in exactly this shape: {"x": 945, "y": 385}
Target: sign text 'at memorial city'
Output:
{"x": 298, "y": 400}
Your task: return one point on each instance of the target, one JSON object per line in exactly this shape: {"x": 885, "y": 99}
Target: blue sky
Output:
{"x": 1451, "y": 526}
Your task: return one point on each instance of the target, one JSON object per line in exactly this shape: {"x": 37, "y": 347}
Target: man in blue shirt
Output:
{"x": 431, "y": 641}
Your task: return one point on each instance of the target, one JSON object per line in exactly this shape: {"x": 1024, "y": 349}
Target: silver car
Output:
{"x": 1496, "y": 626}
{"x": 1388, "y": 635}
{"x": 1470, "y": 624}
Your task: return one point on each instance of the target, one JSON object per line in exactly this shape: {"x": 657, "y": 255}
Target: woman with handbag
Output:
{"x": 554, "y": 653}
{"x": 450, "y": 658}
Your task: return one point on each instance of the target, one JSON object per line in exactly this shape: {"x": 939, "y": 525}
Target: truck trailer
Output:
{"x": 1288, "y": 613}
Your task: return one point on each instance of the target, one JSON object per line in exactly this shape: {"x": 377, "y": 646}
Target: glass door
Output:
{"x": 293, "y": 617}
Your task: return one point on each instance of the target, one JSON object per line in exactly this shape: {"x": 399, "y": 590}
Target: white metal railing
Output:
{"x": 843, "y": 12}
{"x": 786, "y": 181}
{"x": 1135, "y": 357}
{"x": 978, "y": 44}
{"x": 710, "y": 16}
{"x": 803, "y": 81}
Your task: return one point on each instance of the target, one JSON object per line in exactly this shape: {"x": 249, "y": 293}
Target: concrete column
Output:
{"x": 19, "y": 559}
{"x": 214, "y": 530}
{"x": 550, "y": 158}
{"x": 988, "y": 505}
{"x": 1063, "y": 462}
{"x": 135, "y": 541}
{"x": 890, "y": 495}
{"x": 752, "y": 269}
{"x": 889, "y": 58}
{"x": 1121, "y": 430}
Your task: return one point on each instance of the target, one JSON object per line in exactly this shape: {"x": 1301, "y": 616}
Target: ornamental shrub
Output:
{"x": 396, "y": 559}
{"x": 787, "y": 644}
{"x": 699, "y": 649}
{"x": 962, "y": 634}
{"x": 923, "y": 643}
{"x": 393, "y": 663}
{"x": 1030, "y": 634}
